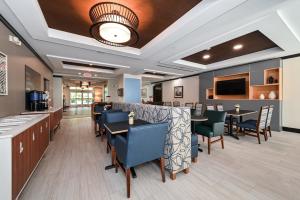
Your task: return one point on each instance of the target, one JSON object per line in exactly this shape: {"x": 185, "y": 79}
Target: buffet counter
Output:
{"x": 23, "y": 142}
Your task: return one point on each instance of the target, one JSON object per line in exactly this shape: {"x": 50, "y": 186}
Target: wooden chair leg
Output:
{"x": 162, "y": 169}
{"x": 128, "y": 175}
{"x": 173, "y": 176}
{"x": 269, "y": 129}
{"x": 194, "y": 160}
{"x": 258, "y": 137}
{"x": 116, "y": 167}
{"x": 208, "y": 142}
{"x": 265, "y": 134}
{"x": 222, "y": 141}
{"x": 203, "y": 139}
{"x": 113, "y": 155}
{"x": 102, "y": 135}
{"x": 107, "y": 148}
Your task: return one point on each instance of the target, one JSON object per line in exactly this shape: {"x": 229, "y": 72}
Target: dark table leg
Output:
{"x": 230, "y": 131}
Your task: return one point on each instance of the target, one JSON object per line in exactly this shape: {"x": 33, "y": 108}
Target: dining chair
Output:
{"x": 269, "y": 119}
{"x": 190, "y": 105}
{"x": 213, "y": 127}
{"x": 255, "y": 127}
{"x": 176, "y": 104}
{"x": 210, "y": 107}
{"x": 142, "y": 144}
{"x": 98, "y": 108}
{"x": 167, "y": 103}
{"x": 112, "y": 117}
{"x": 220, "y": 107}
{"x": 102, "y": 121}
{"x": 198, "y": 107}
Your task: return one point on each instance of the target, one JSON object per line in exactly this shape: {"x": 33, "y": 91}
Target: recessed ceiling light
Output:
{"x": 206, "y": 56}
{"x": 79, "y": 73}
{"x": 95, "y": 75}
{"x": 237, "y": 46}
{"x": 90, "y": 64}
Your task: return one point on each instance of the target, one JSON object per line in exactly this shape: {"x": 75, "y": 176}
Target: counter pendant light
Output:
{"x": 114, "y": 24}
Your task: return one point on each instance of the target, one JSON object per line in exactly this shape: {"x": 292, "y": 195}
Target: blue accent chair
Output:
{"x": 112, "y": 117}
{"x": 103, "y": 120}
{"x": 255, "y": 127}
{"x": 194, "y": 147}
{"x": 213, "y": 127}
{"x": 142, "y": 144}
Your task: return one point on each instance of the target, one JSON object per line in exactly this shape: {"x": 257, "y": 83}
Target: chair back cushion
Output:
{"x": 112, "y": 117}
{"x": 190, "y": 105}
{"x": 210, "y": 107}
{"x": 198, "y": 107}
{"x": 220, "y": 107}
{"x": 214, "y": 116}
{"x": 262, "y": 118}
{"x": 168, "y": 103}
{"x": 145, "y": 143}
{"x": 176, "y": 104}
{"x": 270, "y": 113}
{"x": 104, "y": 113}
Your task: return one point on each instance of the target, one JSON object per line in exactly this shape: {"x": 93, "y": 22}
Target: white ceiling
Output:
{"x": 210, "y": 23}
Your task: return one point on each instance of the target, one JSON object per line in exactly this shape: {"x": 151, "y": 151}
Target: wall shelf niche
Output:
{"x": 272, "y": 81}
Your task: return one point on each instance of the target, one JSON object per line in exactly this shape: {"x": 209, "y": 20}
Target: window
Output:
{"x": 81, "y": 97}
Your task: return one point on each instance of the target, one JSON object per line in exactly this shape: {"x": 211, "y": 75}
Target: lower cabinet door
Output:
{"x": 20, "y": 162}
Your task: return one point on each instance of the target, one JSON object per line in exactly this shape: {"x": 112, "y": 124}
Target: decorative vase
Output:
{"x": 261, "y": 96}
{"x": 237, "y": 109}
{"x": 131, "y": 120}
{"x": 272, "y": 95}
{"x": 270, "y": 80}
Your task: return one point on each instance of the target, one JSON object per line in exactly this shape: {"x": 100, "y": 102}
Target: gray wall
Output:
{"x": 18, "y": 57}
{"x": 256, "y": 78}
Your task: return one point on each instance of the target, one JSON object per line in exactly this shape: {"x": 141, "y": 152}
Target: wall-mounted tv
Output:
{"x": 231, "y": 87}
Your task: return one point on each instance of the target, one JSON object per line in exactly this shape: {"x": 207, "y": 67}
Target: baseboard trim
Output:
{"x": 289, "y": 129}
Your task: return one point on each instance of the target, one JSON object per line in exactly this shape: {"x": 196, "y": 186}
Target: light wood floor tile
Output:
{"x": 73, "y": 168}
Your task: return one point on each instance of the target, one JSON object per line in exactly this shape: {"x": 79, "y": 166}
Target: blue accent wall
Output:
{"x": 132, "y": 90}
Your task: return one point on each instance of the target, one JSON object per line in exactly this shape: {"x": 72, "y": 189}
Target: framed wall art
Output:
{"x": 178, "y": 92}
{"x": 3, "y": 74}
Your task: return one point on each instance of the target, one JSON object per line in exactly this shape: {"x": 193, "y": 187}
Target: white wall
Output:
{"x": 57, "y": 92}
{"x": 190, "y": 90}
{"x": 291, "y": 94}
{"x": 66, "y": 93}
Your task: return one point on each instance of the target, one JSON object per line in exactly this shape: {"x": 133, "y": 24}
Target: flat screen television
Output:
{"x": 231, "y": 87}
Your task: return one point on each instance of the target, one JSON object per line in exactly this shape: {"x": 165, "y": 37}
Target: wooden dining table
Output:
{"x": 233, "y": 113}
{"x": 122, "y": 127}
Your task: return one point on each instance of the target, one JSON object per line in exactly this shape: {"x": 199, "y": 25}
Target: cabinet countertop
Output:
{"x": 15, "y": 130}
{"x": 51, "y": 110}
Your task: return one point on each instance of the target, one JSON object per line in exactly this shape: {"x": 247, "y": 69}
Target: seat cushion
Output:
{"x": 248, "y": 124}
{"x": 204, "y": 130}
{"x": 194, "y": 139}
{"x": 194, "y": 151}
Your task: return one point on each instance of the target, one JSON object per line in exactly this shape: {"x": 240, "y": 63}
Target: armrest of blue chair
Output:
{"x": 121, "y": 147}
{"x": 218, "y": 128}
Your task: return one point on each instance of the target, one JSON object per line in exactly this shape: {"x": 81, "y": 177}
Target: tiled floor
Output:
{"x": 73, "y": 168}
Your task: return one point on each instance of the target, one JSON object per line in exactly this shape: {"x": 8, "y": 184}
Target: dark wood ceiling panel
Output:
{"x": 88, "y": 65}
{"x": 154, "y": 15}
{"x": 252, "y": 42}
{"x": 154, "y": 73}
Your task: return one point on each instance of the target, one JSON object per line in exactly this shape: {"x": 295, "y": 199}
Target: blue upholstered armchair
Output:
{"x": 112, "y": 117}
{"x": 103, "y": 120}
{"x": 213, "y": 127}
{"x": 142, "y": 144}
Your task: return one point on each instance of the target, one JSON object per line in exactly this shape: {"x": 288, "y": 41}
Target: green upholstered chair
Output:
{"x": 213, "y": 127}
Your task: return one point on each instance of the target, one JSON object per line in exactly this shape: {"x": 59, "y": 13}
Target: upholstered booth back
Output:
{"x": 177, "y": 148}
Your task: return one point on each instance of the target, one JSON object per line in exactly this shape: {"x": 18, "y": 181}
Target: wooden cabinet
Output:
{"x": 27, "y": 149}
{"x": 20, "y": 161}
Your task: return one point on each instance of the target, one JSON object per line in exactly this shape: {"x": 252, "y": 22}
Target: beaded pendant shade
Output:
{"x": 114, "y": 24}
